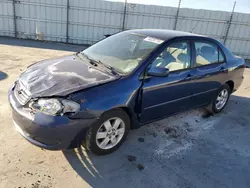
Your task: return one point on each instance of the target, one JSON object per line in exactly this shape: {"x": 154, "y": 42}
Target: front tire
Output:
{"x": 108, "y": 133}
{"x": 220, "y": 100}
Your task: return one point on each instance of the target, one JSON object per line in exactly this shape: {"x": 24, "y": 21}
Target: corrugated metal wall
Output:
{"x": 239, "y": 35}
{"x": 149, "y": 16}
{"x": 6, "y": 18}
{"x": 87, "y": 21}
{"x": 41, "y": 19}
{"x": 212, "y": 23}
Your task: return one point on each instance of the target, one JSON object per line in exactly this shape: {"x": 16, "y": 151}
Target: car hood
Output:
{"x": 62, "y": 76}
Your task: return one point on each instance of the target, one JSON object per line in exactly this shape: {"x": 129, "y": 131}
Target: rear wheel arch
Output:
{"x": 212, "y": 107}
{"x": 230, "y": 83}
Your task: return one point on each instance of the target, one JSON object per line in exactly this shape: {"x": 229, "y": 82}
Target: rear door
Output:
{"x": 210, "y": 70}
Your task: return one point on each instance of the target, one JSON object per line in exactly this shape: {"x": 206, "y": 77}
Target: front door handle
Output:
{"x": 189, "y": 77}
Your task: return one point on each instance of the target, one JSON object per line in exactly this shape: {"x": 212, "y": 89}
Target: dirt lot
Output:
{"x": 187, "y": 150}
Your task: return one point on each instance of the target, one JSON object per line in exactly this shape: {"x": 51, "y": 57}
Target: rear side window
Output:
{"x": 207, "y": 53}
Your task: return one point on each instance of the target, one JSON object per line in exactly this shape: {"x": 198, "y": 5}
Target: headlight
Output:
{"x": 55, "y": 106}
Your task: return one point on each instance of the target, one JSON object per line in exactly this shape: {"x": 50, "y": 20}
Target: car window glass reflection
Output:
{"x": 175, "y": 57}
{"x": 207, "y": 53}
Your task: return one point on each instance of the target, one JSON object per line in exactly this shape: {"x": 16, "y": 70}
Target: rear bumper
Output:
{"x": 46, "y": 131}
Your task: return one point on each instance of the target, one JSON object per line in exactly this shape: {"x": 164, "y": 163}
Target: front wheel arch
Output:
{"x": 134, "y": 118}
{"x": 125, "y": 109}
{"x": 90, "y": 140}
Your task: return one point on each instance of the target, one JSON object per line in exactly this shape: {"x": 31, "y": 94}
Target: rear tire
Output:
{"x": 108, "y": 133}
{"x": 220, "y": 100}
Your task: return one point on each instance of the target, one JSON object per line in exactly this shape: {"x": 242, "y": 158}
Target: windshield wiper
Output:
{"x": 107, "y": 66}
{"x": 91, "y": 61}
{"x": 85, "y": 55}
{"x": 96, "y": 62}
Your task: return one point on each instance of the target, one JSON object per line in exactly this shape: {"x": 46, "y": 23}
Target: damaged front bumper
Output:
{"x": 47, "y": 131}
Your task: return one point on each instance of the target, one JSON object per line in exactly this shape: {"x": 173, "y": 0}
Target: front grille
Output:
{"x": 21, "y": 93}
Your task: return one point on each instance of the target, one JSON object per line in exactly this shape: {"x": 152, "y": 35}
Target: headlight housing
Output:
{"x": 55, "y": 106}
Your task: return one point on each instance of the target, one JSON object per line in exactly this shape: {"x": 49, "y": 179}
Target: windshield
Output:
{"x": 123, "y": 51}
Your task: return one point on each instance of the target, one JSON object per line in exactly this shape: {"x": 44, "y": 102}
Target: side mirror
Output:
{"x": 158, "y": 71}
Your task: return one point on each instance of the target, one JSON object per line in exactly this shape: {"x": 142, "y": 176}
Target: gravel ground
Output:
{"x": 191, "y": 149}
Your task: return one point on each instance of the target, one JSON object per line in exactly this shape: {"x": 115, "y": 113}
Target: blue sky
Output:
{"x": 225, "y": 5}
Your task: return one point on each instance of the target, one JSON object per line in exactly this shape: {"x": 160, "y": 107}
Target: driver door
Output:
{"x": 163, "y": 96}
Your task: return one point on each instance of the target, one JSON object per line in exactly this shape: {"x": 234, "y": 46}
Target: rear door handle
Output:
{"x": 222, "y": 69}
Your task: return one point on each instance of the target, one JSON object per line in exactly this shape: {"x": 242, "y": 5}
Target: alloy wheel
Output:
{"x": 110, "y": 133}
{"x": 221, "y": 99}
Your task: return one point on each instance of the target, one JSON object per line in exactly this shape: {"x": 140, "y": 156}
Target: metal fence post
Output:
{"x": 124, "y": 15}
{"x": 14, "y": 17}
{"x": 67, "y": 24}
{"x": 229, "y": 23}
{"x": 177, "y": 15}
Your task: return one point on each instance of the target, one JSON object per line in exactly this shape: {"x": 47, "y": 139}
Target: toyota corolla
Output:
{"x": 94, "y": 97}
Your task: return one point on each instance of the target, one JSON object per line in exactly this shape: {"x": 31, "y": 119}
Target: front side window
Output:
{"x": 175, "y": 57}
{"x": 207, "y": 53}
{"x": 123, "y": 51}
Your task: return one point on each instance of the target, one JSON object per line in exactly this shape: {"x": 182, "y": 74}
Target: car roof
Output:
{"x": 163, "y": 34}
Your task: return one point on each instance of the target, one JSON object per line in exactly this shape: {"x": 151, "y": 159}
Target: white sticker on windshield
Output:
{"x": 154, "y": 40}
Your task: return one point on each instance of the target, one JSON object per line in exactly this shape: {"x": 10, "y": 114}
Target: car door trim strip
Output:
{"x": 179, "y": 99}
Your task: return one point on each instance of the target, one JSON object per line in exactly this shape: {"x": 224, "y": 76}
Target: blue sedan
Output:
{"x": 94, "y": 97}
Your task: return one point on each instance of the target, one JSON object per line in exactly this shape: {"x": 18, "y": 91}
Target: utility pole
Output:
{"x": 124, "y": 15}
{"x": 14, "y": 17}
{"x": 177, "y": 15}
{"x": 229, "y": 23}
{"x": 67, "y": 24}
